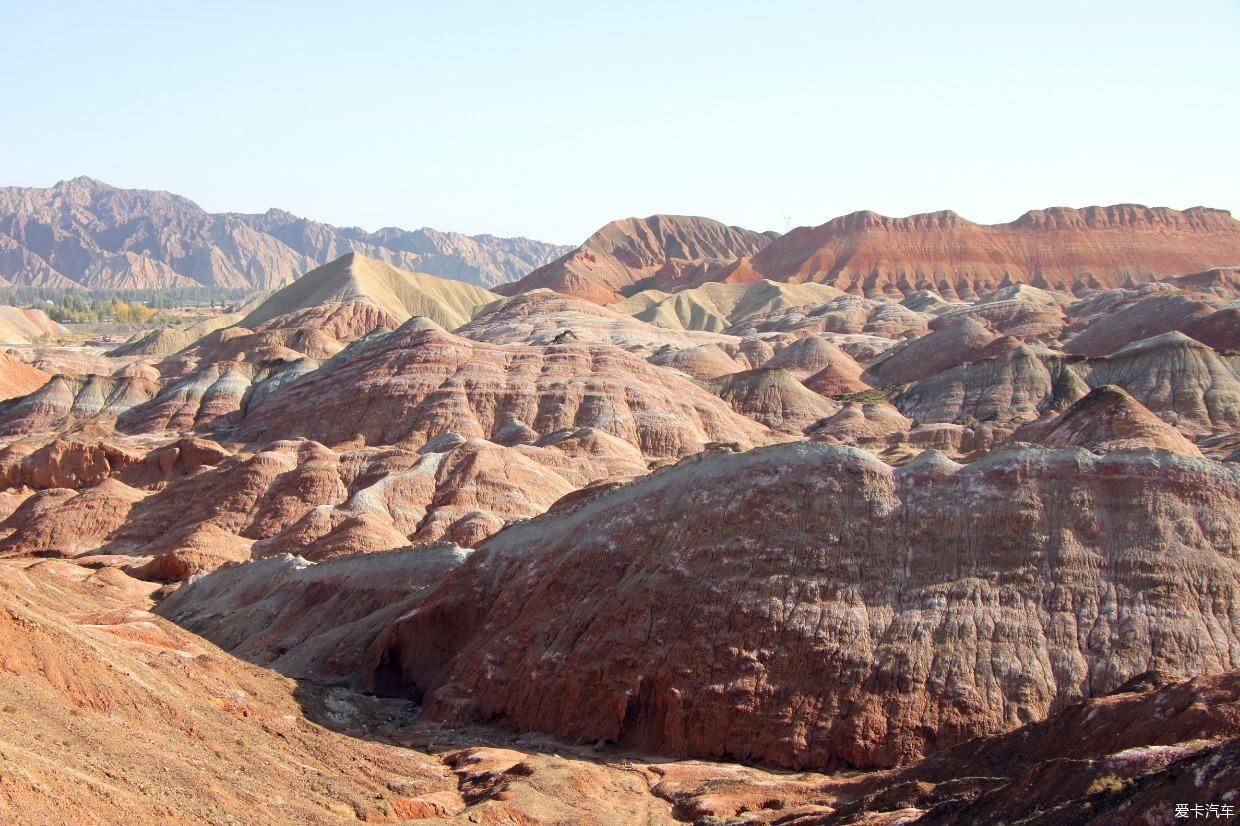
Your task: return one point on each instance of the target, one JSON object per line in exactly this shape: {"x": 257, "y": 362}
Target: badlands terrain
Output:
{"x": 889, "y": 520}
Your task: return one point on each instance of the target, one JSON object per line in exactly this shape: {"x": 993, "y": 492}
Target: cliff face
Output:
{"x": 86, "y": 233}
{"x": 805, "y": 605}
{"x": 1061, "y": 249}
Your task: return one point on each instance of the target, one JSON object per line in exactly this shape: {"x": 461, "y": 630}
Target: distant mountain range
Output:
{"x": 85, "y": 233}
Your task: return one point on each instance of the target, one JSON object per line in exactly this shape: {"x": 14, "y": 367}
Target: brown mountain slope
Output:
{"x": 1058, "y": 248}
{"x": 624, "y": 257}
{"x": 330, "y": 306}
{"x": 65, "y": 402}
{"x": 109, "y": 714}
{"x": 805, "y": 605}
{"x": 87, "y": 233}
{"x": 1185, "y": 383}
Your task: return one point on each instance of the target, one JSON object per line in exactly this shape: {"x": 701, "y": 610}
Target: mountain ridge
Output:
{"x": 85, "y": 232}
{"x": 1058, "y": 248}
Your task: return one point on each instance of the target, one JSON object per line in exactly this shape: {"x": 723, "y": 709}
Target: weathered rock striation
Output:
{"x": 1058, "y": 249}
{"x": 419, "y": 381}
{"x": 805, "y": 605}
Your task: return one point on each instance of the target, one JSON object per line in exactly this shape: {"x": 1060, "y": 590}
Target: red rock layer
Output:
{"x": 1058, "y": 248}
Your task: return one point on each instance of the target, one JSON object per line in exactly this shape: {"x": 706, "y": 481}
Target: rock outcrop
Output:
{"x": 306, "y": 620}
{"x": 544, "y": 317}
{"x": 66, "y": 402}
{"x": 718, "y": 307}
{"x": 1184, "y": 382}
{"x": 808, "y": 606}
{"x": 354, "y": 294}
{"x": 953, "y": 341}
{"x": 64, "y": 463}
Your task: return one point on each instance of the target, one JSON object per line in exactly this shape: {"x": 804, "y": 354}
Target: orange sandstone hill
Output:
{"x": 1058, "y": 248}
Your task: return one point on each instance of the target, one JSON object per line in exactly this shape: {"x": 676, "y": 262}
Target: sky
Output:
{"x": 549, "y": 119}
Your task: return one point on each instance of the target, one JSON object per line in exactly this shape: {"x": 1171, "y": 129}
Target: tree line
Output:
{"x": 122, "y": 306}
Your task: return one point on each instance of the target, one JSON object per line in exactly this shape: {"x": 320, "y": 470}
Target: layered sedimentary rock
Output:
{"x": 627, "y": 256}
{"x": 861, "y": 424}
{"x": 1188, "y": 384}
{"x": 191, "y": 506}
{"x": 309, "y": 620}
{"x": 545, "y": 317}
{"x": 216, "y": 396}
{"x": 805, "y": 605}
{"x": 86, "y": 667}
{"x": 1107, "y": 419}
{"x": 326, "y": 310}
{"x": 65, "y": 402}
{"x": 850, "y": 317}
{"x": 703, "y": 361}
{"x": 164, "y": 341}
{"x": 60, "y": 522}
{"x": 954, "y": 340}
{"x": 1126, "y": 756}
{"x": 417, "y": 382}
{"x": 1185, "y": 383}
{"x": 391, "y": 295}
{"x": 773, "y": 397}
{"x": 1115, "y": 327}
{"x": 1058, "y": 248}
{"x": 63, "y": 463}
{"x": 1220, "y": 329}
{"x": 1018, "y": 385}
{"x": 718, "y": 307}
{"x": 821, "y": 366}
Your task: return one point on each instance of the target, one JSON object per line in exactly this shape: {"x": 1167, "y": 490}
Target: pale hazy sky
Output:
{"x": 550, "y": 119}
